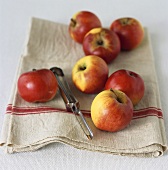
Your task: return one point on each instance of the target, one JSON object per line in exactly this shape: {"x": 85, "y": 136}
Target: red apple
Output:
{"x": 103, "y": 43}
{"x": 129, "y": 82}
{"x": 90, "y": 74}
{"x": 111, "y": 110}
{"x": 130, "y": 32}
{"x": 37, "y": 85}
{"x": 81, "y": 23}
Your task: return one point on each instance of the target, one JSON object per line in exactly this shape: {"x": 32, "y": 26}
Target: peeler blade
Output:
{"x": 70, "y": 101}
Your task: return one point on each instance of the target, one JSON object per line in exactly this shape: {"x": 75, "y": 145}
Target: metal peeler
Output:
{"x": 70, "y": 101}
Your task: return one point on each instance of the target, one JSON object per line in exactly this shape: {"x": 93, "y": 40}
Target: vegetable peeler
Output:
{"x": 71, "y": 103}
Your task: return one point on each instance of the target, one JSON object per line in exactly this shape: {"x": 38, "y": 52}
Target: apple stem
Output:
{"x": 82, "y": 68}
{"x": 132, "y": 74}
{"x": 117, "y": 98}
{"x": 100, "y": 42}
{"x": 113, "y": 91}
{"x": 34, "y": 69}
{"x": 126, "y": 21}
{"x": 73, "y": 22}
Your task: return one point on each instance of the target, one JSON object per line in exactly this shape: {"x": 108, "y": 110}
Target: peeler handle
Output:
{"x": 65, "y": 91}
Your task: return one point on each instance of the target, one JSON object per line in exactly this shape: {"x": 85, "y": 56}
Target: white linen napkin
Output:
{"x": 30, "y": 126}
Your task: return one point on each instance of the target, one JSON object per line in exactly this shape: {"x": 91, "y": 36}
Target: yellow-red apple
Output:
{"x": 111, "y": 110}
{"x": 129, "y": 82}
{"x": 90, "y": 74}
{"x": 103, "y": 43}
{"x": 81, "y": 23}
{"x": 130, "y": 32}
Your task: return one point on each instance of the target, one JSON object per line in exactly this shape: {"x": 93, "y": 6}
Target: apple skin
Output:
{"x": 129, "y": 31}
{"x": 90, "y": 74}
{"x": 37, "y": 85}
{"x": 111, "y": 110}
{"x": 128, "y": 82}
{"x": 103, "y": 43}
{"x": 81, "y": 23}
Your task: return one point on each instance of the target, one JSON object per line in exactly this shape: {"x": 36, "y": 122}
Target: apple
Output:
{"x": 81, "y": 23}
{"x": 111, "y": 110}
{"x": 103, "y": 43}
{"x": 130, "y": 32}
{"x": 90, "y": 74}
{"x": 37, "y": 85}
{"x": 128, "y": 82}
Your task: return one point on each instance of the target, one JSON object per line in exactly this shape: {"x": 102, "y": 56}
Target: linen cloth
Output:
{"x": 30, "y": 126}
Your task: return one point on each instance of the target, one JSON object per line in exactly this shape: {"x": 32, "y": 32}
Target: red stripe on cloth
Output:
{"x": 14, "y": 110}
{"x": 151, "y": 111}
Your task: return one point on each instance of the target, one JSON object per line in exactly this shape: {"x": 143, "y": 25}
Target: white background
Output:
{"x": 14, "y": 20}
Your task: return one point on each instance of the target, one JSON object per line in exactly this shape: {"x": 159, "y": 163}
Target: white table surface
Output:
{"x": 14, "y": 20}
